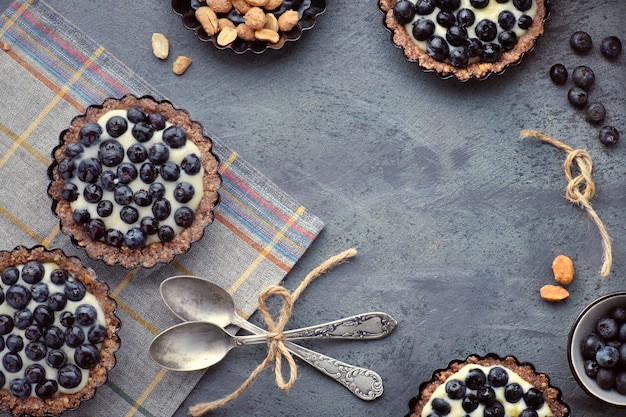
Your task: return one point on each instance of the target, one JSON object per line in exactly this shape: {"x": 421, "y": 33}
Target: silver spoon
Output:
{"x": 196, "y": 299}
{"x": 195, "y": 345}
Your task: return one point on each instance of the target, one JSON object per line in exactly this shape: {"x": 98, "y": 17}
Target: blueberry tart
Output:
{"x": 134, "y": 181}
{"x": 58, "y": 332}
{"x": 488, "y": 386}
{"x": 464, "y": 38}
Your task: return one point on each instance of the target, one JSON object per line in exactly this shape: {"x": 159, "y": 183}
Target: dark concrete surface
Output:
{"x": 455, "y": 217}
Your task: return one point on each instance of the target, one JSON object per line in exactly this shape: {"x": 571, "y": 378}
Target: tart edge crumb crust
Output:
{"x": 525, "y": 370}
{"x": 35, "y": 406}
{"x": 477, "y": 70}
{"x": 157, "y": 252}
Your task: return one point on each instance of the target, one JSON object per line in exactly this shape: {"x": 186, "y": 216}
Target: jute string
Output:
{"x": 580, "y": 189}
{"x": 275, "y": 338}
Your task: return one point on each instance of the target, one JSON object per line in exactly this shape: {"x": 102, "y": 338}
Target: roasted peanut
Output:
{"x": 267, "y": 35}
{"x": 273, "y": 4}
{"x": 160, "y": 45}
{"x": 257, "y": 3}
{"x": 563, "y": 269}
{"x": 553, "y": 293}
{"x": 245, "y": 32}
{"x": 181, "y": 64}
{"x": 271, "y": 22}
{"x": 287, "y": 20}
{"x": 208, "y": 19}
{"x": 226, "y": 36}
{"x": 225, "y": 22}
{"x": 241, "y": 6}
{"x": 220, "y": 6}
{"x": 255, "y": 18}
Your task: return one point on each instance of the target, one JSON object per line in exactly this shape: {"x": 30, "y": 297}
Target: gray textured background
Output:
{"x": 456, "y": 218}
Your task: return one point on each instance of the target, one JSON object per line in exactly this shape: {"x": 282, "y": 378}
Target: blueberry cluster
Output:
{"x": 37, "y": 328}
{"x": 604, "y": 351}
{"x": 584, "y": 78}
{"x": 132, "y": 178}
{"x": 479, "y": 389}
{"x": 467, "y": 37}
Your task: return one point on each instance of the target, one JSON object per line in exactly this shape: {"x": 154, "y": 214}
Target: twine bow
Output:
{"x": 277, "y": 351}
{"x": 580, "y": 189}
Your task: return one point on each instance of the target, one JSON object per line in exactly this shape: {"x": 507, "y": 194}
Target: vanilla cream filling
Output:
{"x": 51, "y": 373}
{"x": 510, "y": 409}
{"x": 176, "y": 155}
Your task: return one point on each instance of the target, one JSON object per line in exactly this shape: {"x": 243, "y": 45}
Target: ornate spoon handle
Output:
{"x": 364, "y": 383}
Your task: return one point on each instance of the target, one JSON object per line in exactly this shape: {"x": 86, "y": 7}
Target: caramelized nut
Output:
{"x": 245, "y": 32}
{"x": 273, "y": 4}
{"x": 257, "y": 3}
{"x": 225, "y": 22}
{"x": 220, "y": 6}
{"x": 208, "y": 19}
{"x": 241, "y": 6}
{"x": 160, "y": 45}
{"x": 181, "y": 64}
{"x": 267, "y": 35}
{"x": 255, "y": 18}
{"x": 553, "y": 293}
{"x": 226, "y": 36}
{"x": 287, "y": 20}
{"x": 563, "y": 269}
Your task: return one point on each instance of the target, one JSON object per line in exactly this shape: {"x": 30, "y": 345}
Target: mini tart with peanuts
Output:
{"x": 488, "y": 386}
{"x": 134, "y": 181}
{"x": 465, "y": 39}
{"x": 249, "y": 25}
{"x": 58, "y": 332}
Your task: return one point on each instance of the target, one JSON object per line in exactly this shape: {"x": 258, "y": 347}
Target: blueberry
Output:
{"x": 33, "y": 332}
{"x": 534, "y": 398}
{"x": 126, "y": 172}
{"x": 486, "y": 395}
{"x": 56, "y": 358}
{"x": 116, "y": 126}
{"x": 608, "y": 135}
{"x": 89, "y": 170}
{"x": 525, "y": 22}
{"x": 183, "y": 192}
{"x": 465, "y": 17}
{"x": 491, "y": 52}
{"x": 149, "y": 225}
{"x": 46, "y": 389}
{"x": 513, "y": 392}
{"x": 129, "y": 214}
{"x": 2, "y": 379}
{"x": 497, "y": 376}
{"x": 456, "y": 35}
{"x": 577, "y": 97}
{"x": 22, "y": 319}
{"x": 607, "y": 356}
{"x": 445, "y": 19}
{"x": 95, "y": 229}
{"x": 441, "y": 406}
{"x": 455, "y": 389}
{"x": 590, "y": 345}
{"x": 137, "y": 153}
{"x": 2, "y": 345}
{"x": 404, "y": 11}
{"x": 165, "y": 233}
{"x": 437, "y": 48}
{"x": 123, "y": 195}
{"x": 558, "y": 74}
{"x": 10, "y": 275}
{"x": 611, "y": 47}
{"x": 114, "y": 238}
{"x": 74, "y": 290}
{"x": 69, "y": 192}
{"x": 43, "y": 315}
{"x": 621, "y": 333}
{"x": 170, "y": 171}
{"x": 96, "y": 334}
{"x": 32, "y": 272}
{"x": 479, "y": 4}
{"x": 108, "y": 180}
{"x": 424, "y": 7}
{"x": 619, "y": 314}
{"x": 20, "y": 388}
{"x": 507, "y": 20}
{"x": 92, "y": 193}
{"x": 104, "y": 208}
{"x": 142, "y": 198}
{"x": 36, "y": 350}
{"x": 66, "y": 319}
{"x": 422, "y": 30}
{"x": 143, "y": 131}
{"x": 81, "y": 215}
{"x": 69, "y": 376}
{"x": 580, "y": 42}
{"x": 158, "y": 153}
{"x": 607, "y": 328}
{"x": 73, "y": 149}
{"x": 522, "y": 5}
{"x": 494, "y": 409}
{"x": 595, "y": 112}
{"x": 184, "y": 216}
{"x": 57, "y": 301}
{"x": 89, "y": 134}
{"x": 458, "y": 58}
{"x": 605, "y": 378}
{"x": 12, "y": 362}
{"x": 148, "y": 173}
{"x": 111, "y": 153}
{"x": 486, "y": 30}
{"x": 87, "y": 356}
{"x": 135, "y": 238}
{"x": 475, "y": 379}
{"x": 66, "y": 168}
{"x": 17, "y": 296}
{"x": 469, "y": 403}
{"x": 39, "y": 292}
{"x": 74, "y": 336}
{"x": 14, "y": 343}
{"x": 6, "y": 324}
{"x": 34, "y": 373}
{"x": 620, "y": 383}
{"x": 136, "y": 115}
{"x": 583, "y": 76}
{"x": 157, "y": 121}
{"x": 507, "y": 40}
{"x": 53, "y": 337}
{"x": 191, "y": 164}
{"x": 161, "y": 209}
{"x": 85, "y": 314}
{"x": 157, "y": 190}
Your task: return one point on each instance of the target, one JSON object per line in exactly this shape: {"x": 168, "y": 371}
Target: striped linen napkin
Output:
{"x": 49, "y": 72}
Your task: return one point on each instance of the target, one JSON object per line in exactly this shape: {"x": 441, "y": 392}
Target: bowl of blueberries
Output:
{"x": 596, "y": 349}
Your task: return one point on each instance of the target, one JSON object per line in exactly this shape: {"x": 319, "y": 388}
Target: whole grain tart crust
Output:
{"x": 525, "y": 370}
{"x": 157, "y": 252}
{"x": 476, "y": 70}
{"x": 53, "y": 406}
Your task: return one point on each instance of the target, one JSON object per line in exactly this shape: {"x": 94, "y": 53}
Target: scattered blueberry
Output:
{"x": 583, "y": 76}
{"x": 580, "y": 42}
{"x": 611, "y": 47}
{"x": 595, "y": 112}
{"x": 609, "y": 136}
{"x": 558, "y": 74}
{"x": 577, "y": 97}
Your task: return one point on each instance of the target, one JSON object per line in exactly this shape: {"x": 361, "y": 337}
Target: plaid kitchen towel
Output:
{"x": 49, "y": 72}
